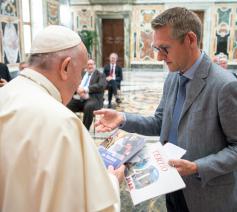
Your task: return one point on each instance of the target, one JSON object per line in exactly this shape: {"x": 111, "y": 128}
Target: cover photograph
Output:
{"x": 148, "y": 174}
{"x": 120, "y": 147}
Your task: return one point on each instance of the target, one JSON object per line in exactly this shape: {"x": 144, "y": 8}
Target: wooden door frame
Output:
{"x": 125, "y": 15}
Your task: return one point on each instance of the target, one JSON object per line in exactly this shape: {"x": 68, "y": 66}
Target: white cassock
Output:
{"x": 48, "y": 161}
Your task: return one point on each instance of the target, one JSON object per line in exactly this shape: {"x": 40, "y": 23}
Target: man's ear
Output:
{"x": 64, "y": 68}
{"x": 192, "y": 39}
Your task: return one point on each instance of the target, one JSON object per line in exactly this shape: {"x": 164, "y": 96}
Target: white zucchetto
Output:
{"x": 54, "y": 38}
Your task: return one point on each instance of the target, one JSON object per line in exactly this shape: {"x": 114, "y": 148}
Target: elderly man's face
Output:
{"x": 174, "y": 52}
{"x": 113, "y": 59}
{"x": 90, "y": 66}
{"x": 223, "y": 63}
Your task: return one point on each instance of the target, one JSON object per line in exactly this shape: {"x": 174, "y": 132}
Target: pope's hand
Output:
{"x": 119, "y": 173}
{"x": 2, "y": 82}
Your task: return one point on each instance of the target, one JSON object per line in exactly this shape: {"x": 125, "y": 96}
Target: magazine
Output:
{"x": 120, "y": 147}
{"x": 148, "y": 174}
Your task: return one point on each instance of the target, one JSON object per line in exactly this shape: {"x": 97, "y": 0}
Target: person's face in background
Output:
{"x": 90, "y": 66}
{"x": 113, "y": 58}
{"x": 174, "y": 52}
{"x": 223, "y": 63}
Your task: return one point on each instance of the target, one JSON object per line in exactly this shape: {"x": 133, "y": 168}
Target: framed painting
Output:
{"x": 52, "y": 12}
{"x": 8, "y": 8}
{"x": 10, "y": 42}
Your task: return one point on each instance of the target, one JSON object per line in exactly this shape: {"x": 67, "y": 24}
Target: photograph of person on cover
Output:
{"x": 141, "y": 171}
{"x": 123, "y": 147}
{"x": 114, "y": 137}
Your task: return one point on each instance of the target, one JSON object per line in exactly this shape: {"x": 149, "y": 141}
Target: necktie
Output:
{"x": 173, "y": 133}
{"x": 111, "y": 70}
{"x": 87, "y": 80}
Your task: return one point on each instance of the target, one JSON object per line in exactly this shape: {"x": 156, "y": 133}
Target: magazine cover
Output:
{"x": 109, "y": 158}
{"x": 120, "y": 147}
{"x": 148, "y": 174}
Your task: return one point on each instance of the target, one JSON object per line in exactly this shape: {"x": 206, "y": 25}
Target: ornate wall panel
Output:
{"x": 84, "y": 20}
{"x": 10, "y": 45}
{"x": 10, "y": 42}
{"x": 52, "y": 8}
{"x": 235, "y": 36}
{"x": 141, "y": 33}
{"x": 225, "y": 30}
{"x": 220, "y": 27}
{"x": 8, "y": 8}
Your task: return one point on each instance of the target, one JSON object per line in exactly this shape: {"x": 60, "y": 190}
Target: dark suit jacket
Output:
{"x": 207, "y": 130}
{"x": 4, "y": 72}
{"x": 118, "y": 73}
{"x": 97, "y": 86}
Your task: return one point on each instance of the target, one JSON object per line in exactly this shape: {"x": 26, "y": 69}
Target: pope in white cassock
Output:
{"x": 48, "y": 161}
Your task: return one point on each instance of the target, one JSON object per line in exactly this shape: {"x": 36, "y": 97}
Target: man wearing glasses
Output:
{"x": 198, "y": 112}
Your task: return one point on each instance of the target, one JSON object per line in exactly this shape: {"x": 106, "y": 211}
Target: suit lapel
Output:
{"x": 196, "y": 84}
{"x": 116, "y": 70}
{"x": 196, "y": 87}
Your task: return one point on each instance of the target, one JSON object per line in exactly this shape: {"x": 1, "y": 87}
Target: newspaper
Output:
{"x": 148, "y": 174}
{"x": 120, "y": 147}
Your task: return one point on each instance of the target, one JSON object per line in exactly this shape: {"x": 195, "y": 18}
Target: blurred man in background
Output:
{"x": 5, "y": 76}
{"x": 114, "y": 76}
{"x": 89, "y": 94}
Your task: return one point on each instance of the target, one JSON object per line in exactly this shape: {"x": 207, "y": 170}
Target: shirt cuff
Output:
{"x": 115, "y": 184}
{"x": 124, "y": 120}
{"x": 86, "y": 89}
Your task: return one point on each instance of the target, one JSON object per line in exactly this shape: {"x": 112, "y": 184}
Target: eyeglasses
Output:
{"x": 163, "y": 49}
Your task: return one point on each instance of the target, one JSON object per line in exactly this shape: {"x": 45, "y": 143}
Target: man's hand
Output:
{"x": 80, "y": 91}
{"x": 184, "y": 167}
{"x": 109, "y": 78}
{"x": 109, "y": 120}
{"x": 2, "y": 82}
{"x": 119, "y": 173}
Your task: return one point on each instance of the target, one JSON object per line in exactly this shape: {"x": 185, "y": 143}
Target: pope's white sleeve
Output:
{"x": 116, "y": 206}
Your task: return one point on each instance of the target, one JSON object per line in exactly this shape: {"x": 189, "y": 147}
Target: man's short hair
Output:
{"x": 181, "y": 20}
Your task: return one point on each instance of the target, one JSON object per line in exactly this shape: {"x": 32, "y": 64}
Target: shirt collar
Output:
{"x": 190, "y": 72}
{"x": 43, "y": 82}
{"x": 90, "y": 74}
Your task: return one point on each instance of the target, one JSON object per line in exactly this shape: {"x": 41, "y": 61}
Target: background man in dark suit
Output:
{"x": 114, "y": 76}
{"x": 204, "y": 124}
{"x": 4, "y": 74}
{"x": 89, "y": 94}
